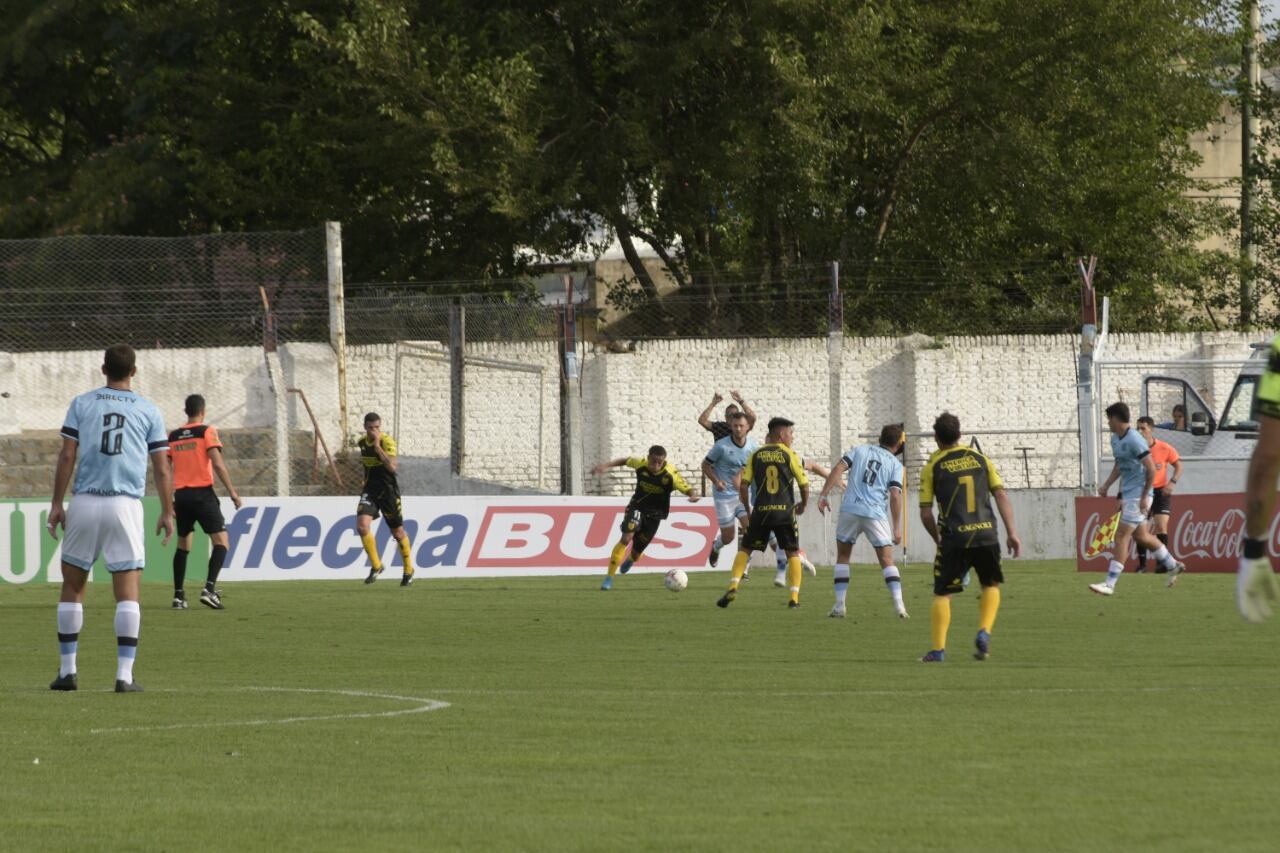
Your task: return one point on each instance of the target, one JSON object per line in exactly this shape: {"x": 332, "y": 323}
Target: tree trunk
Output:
{"x": 623, "y": 229}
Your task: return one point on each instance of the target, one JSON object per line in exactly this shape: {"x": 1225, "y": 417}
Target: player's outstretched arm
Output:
{"x": 834, "y": 476}
{"x": 895, "y": 513}
{"x": 709, "y": 471}
{"x": 61, "y": 479}
{"x": 930, "y": 524}
{"x": 224, "y": 476}
{"x": 612, "y": 463}
{"x": 1005, "y": 508}
{"x": 1111, "y": 478}
{"x": 164, "y": 490}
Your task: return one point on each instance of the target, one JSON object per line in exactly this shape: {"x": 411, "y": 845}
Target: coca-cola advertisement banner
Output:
{"x": 1204, "y": 532}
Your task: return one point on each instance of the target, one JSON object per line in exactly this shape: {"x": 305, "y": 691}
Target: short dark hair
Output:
{"x": 657, "y": 450}
{"x": 119, "y": 362}
{"x": 731, "y": 410}
{"x": 1180, "y": 408}
{"x": 946, "y": 428}
{"x": 1146, "y": 420}
{"x": 371, "y": 417}
{"x": 736, "y": 415}
{"x": 1119, "y": 410}
{"x": 778, "y": 423}
{"x": 194, "y": 405}
{"x": 890, "y": 435}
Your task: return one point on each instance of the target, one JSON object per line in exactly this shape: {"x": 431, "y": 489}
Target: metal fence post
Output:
{"x": 338, "y": 316}
{"x": 457, "y": 396}
{"x": 572, "y": 476}
{"x": 835, "y": 362}
{"x": 1086, "y": 404}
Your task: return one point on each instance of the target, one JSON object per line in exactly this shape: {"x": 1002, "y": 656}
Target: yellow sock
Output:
{"x": 739, "y": 569}
{"x": 615, "y": 558}
{"x": 794, "y": 573}
{"x": 406, "y": 554}
{"x": 987, "y": 607}
{"x": 371, "y": 548}
{"x": 940, "y": 621}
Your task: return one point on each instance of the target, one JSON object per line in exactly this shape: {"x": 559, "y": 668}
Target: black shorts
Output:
{"x": 1160, "y": 500}
{"x": 782, "y": 528}
{"x": 384, "y": 500}
{"x": 198, "y": 504}
{"x": 951, "y": 564}
{"x": 644, "y": 525}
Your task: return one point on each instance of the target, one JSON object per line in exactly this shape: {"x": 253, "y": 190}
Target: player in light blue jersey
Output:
{"x": 872, "y": 507}
{"x": 1136, "y": 472}
{"x": 722, "y": 467}
{"x": 110, "y": 432}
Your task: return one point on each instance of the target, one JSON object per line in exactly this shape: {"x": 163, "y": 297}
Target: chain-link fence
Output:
{"x": 90, "y": 292}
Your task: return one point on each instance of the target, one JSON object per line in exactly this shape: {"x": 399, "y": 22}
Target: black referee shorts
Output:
{"x": 197, "y": 505}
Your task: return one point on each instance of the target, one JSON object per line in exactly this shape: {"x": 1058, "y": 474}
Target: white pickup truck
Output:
{"x": 1215, "y": 449}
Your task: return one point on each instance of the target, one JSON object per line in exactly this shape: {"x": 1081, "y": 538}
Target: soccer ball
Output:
{"x": 676, "y": 580}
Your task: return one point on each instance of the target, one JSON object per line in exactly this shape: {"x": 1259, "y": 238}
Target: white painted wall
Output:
{"x": 652, "y": 395}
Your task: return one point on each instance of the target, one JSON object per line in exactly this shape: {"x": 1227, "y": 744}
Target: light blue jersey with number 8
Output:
{"x": 117, "y": 431}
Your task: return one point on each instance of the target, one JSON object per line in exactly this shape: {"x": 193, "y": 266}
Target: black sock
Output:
{"x": 216, "y": 556}
{"x": 1142, "y": 556}
{"x": 179, "y": 570}
{"x": 1164, "y": 539}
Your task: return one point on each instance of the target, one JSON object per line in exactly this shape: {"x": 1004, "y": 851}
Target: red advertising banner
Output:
{"x": 1204, "y": 532}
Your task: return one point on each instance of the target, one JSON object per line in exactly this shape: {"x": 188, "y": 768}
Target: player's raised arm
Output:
{"x": 746, "y": 409}
{"x": 704, "y": 419}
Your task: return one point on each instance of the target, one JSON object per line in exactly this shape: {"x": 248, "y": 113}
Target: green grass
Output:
{"x": 639, "y": 719}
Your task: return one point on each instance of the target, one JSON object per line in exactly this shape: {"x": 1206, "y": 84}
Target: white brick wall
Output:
{"x": 653, "y": 395}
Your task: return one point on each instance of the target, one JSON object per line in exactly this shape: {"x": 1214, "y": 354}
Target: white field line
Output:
{"x": 924, "y": 691}
{"x": 421, "y": 706}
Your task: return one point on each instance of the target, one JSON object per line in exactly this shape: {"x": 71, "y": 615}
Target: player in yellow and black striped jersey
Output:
{"x": 963, "y": 481}
{"x": 767, "y": 486}
{"x": 1257, "y": 589}
{"x": 381, "y": 494}
{"x": 656, "y": 479}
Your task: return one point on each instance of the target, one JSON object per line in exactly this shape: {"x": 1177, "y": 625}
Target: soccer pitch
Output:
{"x": 642, "y": 719}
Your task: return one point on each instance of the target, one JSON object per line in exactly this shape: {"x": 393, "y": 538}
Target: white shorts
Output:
{"x": 728, "y": 509}
{"x": 1131, "y": 511}
{"x": 879, "y": 531}
{"x": 110, "y": 526}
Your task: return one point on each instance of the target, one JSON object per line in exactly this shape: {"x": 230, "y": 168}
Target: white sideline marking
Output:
{"x": 423, "y": 705}
{"x": 924, "y": 691}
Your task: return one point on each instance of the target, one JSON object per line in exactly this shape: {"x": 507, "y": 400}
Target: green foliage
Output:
{"x": 455, "y": 140}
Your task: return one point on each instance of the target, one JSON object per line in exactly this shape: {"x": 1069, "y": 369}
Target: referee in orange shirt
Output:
{"x": 196, "y": 453}
{"x": 1165, "y": 456}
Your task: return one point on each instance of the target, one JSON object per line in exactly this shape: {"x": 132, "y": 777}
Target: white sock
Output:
{"x": 894, "y": 581}
{"x": 128, "y": 623}
{"x": 1113, "y": 573}
{"x": 1163, "y": 557}
{"x": 842, "y": 582}
{"x": 781, "y": 557}
{"x": 70, "y": 621}
{"x": 716, "y": 545}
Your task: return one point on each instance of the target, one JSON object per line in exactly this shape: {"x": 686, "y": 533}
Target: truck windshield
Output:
{"x": 1239, "y": 411}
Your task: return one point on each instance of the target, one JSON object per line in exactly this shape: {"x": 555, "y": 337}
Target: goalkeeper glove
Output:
{"x": 1257, "y": 587}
